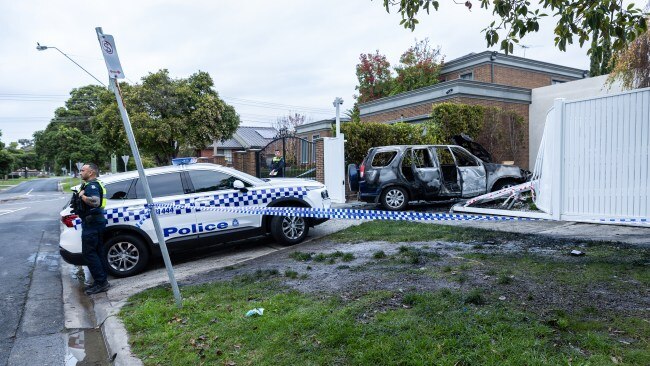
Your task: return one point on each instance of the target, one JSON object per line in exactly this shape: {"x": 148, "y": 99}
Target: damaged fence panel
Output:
{"x": 593, "y": 164}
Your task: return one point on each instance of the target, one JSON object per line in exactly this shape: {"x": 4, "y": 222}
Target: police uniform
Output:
{"x": 277, "y": 165}
{"x": 93, "y": 223}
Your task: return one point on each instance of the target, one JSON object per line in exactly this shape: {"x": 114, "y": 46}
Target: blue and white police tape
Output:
{"x": 337, "y": 213}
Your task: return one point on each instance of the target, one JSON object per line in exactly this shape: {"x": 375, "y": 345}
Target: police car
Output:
{"x": 180, "y": 192}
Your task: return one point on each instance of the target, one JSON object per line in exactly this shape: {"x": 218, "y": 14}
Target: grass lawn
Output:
{"x": 552, "y": 314}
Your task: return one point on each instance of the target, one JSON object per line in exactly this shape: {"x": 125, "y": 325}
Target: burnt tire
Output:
{"x": 289, "y": 230}
{"x": 125, "y": 255}
{"x": 394, "y": 198}
{"x": 504, "y": 183}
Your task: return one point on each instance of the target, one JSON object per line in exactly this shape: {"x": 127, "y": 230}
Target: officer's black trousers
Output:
{"x": 91, "y": 249}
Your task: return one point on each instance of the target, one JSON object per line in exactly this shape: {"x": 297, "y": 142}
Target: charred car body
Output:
{"x": 395, "y": 175}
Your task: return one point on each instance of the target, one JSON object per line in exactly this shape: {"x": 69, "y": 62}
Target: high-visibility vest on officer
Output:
{"x": 89, "y": 213}
{"x": 277, "y": 165}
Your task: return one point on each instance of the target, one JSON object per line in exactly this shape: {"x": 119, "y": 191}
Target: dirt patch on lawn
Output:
{"x": 537, "y": 274}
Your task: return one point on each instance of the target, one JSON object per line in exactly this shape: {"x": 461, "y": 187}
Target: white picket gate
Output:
{"x": 595, "y": 159}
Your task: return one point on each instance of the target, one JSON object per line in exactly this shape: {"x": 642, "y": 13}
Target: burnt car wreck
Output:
{"x": 393, "y": 176}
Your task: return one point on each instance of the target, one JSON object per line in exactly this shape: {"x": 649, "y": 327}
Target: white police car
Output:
{"x": 130, "y": 239}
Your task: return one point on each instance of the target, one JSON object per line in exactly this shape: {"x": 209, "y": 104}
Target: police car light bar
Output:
{"x": 183, "y": 161}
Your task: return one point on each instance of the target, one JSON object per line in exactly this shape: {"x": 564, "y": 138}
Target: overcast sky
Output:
{"x": 267, "y": 58}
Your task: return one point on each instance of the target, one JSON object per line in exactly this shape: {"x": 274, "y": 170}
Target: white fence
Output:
{"x": 595, "y": 159}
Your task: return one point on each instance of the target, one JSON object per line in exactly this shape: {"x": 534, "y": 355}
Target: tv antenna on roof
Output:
{"x": 525, "y": 47}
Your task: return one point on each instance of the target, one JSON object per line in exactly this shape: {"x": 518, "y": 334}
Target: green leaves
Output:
{"x": 574, "y": 19}
{"x": 166, "y": 114}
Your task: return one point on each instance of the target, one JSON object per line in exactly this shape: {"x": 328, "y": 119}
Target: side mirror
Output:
{"x": 238, "y": 184}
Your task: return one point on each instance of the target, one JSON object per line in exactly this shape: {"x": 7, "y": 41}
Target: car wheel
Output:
{"x": 394, "y": 198}
{"x": 289, "y": 230}
{"x": 506, "y": 183}
{"x": 125, "y": 255}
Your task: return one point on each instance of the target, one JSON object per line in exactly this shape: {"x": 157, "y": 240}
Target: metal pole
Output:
{"x": 145, "y": 184}
{"x": 337, "y": 103}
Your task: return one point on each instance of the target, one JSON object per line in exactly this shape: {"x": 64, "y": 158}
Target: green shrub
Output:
{"x": 502, "y": 133}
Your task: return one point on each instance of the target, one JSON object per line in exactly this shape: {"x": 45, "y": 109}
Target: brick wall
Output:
{"x": 397, "y": 114}
{"x": 523, "y": 78}
{"x": 480, "y": 73}
{"x": 320, "y": 161}
{"x": 205, "y": 153}
{"x": 220, "y": 159}
{"x": 506, "y": 76}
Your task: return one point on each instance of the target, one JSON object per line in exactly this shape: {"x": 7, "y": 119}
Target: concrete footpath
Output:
{"x": 106, "y": 306}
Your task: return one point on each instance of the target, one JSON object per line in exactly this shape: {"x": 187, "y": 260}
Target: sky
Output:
{"x": 267, "y": 58}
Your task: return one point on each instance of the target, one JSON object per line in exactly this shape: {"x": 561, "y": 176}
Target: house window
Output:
{"x": 304, "y": 151}
{"x": 227, "y": 154}
{"x": 313, "y": 146}
{"x": 553, "y": 81}
{"x": 467, "y": 76}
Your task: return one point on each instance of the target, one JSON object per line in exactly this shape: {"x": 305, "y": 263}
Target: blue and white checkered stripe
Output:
{"x": 354, "y": 214}
{"x": 252, "y": 197}
{"x": 232, "y": 199}
{"x": 343, "y": 213}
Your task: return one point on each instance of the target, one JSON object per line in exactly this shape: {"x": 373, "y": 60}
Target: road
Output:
{"x": 31, "y": 310}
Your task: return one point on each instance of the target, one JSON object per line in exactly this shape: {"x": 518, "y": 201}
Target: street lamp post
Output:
{"x": 43, "y": 48}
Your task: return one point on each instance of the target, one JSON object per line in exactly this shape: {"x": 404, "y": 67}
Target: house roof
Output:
{"x": 447, "y": 90}
{"x": 497, "y": 58}
{"x": 247, "y": 137}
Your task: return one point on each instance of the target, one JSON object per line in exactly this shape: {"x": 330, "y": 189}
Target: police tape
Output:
{"x": 334, "y": 213}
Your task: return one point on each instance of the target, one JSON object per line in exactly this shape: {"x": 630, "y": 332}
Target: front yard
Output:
{"x": 378, "y": 294}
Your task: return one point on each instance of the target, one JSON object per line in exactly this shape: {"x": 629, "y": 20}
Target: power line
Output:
{"x": 26, "y": 97}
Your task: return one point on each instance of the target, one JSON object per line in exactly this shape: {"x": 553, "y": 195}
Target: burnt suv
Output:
{"x": 394, "y": 175}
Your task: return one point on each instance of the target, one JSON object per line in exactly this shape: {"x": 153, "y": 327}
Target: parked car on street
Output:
{"x": 395, "y": 175}
{"x": 130, "y": 238}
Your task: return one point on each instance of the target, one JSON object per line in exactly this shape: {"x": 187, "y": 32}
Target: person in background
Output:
{"x": 277, "y": 165}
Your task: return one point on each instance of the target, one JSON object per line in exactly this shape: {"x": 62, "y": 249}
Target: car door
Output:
{"x": 472, "y": 172}
{"x": 178, "y": 224}
{"x": 449, "y": 175}
{"x": 426, "y": 171}
{"x": 215, "y": 189}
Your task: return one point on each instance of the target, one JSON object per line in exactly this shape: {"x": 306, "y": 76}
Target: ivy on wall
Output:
{"x": 501, "y": 132}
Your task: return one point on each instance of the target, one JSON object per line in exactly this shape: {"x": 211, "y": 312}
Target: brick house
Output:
{"x": 314, "y": 130}
{"x": 231, "y": 152}
{"x": 487, "y": 78}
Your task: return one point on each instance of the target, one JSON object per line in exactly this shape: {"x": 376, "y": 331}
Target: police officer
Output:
{"x": 92, "y": 203}
{"x": 277, "y": 165}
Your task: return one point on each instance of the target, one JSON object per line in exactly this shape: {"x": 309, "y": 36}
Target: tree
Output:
{"x": 419, "y": 67}
{"x": 6, "y": 162}
{"x": 84, "y": 103}
{"x": 375, "y": 80}
{"x": 290, "y": 122}
{"x": 59, "y": 143}
{"x": 168, "y": 114}
{"x": 632, "y": 65}
{"x": 26, "y": 144}
{"x": 576, "y": 19}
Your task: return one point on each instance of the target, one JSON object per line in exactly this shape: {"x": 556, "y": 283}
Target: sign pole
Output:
{"x": 115, "y": 72}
